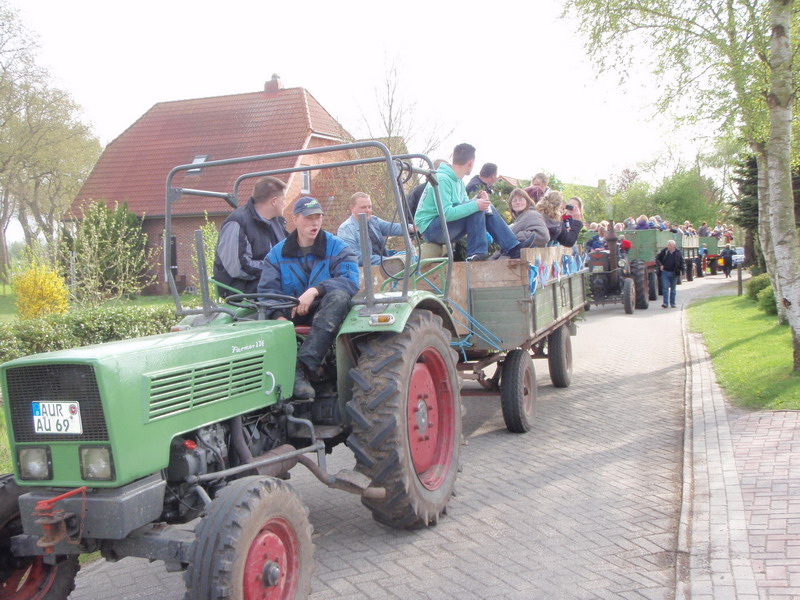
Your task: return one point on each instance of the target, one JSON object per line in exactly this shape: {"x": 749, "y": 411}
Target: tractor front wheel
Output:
{"x": 254, "y": 544}
{"x": 639, "y": 276}
{"x": 518, "y": 391}
{"x": 628, "y": 295}
{"x": 406, "y": 412}
{"x": 28, "y": 577}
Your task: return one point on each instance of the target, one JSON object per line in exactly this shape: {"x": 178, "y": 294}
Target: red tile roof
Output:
{"x": 134, "y": 167}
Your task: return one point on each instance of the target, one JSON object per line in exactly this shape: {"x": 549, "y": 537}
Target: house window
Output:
{"x": 306, "y": 187}
{"x": 200, "y": 158}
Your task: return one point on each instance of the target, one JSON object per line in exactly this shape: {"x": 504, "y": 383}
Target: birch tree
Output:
{"x": 729, "y": 63}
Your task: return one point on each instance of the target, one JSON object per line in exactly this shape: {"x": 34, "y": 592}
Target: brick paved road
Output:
{"x": 584, "y": 506}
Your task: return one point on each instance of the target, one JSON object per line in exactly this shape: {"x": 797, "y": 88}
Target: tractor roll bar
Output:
{"x": 394, "y": 166}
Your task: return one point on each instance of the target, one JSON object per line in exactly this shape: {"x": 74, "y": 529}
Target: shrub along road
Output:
{"x": 589, "y": 504}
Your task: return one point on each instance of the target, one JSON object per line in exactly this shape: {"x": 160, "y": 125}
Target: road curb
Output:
{"x": 683, "y": 550}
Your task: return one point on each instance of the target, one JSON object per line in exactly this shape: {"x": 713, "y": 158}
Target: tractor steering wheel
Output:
{"x": 282, "y": 301}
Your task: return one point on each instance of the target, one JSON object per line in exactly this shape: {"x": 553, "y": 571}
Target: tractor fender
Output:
{"x": 355, "y": 326}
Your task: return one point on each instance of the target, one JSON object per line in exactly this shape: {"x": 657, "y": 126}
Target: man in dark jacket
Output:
{"x": 321, "y": 271}
{"x": 484, "y": 180}
{"x": 248, "y": 234}
{"x": 670, "y": 263}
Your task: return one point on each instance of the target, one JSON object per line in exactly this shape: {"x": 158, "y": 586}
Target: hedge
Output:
{"x": 81, "y": 328}
{"x": 756, "y": 284}
{"x": 766, "y": 301}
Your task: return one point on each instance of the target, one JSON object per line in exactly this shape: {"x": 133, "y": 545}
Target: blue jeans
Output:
{"x": 474, "y": 227}
{"x": 669, "y": 282}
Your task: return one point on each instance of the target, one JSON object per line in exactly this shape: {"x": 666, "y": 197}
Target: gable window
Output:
{"x": 306, "y": 186}
{"x": 200, "y": 158}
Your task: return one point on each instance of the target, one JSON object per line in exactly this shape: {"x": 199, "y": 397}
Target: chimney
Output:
{"x": 273, "y": 85}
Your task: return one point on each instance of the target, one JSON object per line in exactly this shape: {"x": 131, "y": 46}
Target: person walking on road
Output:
{"x": 727, "y": 260}
{"x": 670, "y": 263}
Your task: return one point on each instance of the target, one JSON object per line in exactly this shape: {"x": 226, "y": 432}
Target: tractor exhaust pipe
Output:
{"x": 613, "y": 256}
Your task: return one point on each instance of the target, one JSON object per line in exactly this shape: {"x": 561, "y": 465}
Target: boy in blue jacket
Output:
{"x": 321, "y": 271}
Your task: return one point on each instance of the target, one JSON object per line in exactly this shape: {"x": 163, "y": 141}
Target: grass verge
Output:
{"x": 751, "y": 353}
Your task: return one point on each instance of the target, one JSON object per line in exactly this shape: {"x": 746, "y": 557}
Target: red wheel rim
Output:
{"x": 431, "y": 428}
{"x": 30, "y": 581}
{"x": 272, "y": 567}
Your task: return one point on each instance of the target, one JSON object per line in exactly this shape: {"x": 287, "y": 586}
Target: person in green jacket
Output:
{"x": 463, "y": 217}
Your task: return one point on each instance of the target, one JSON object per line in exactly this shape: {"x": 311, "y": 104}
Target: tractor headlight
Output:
{"x": 34, "y": 462}
{"x": 622, "y": 262}
{"x": 96, "y": 463}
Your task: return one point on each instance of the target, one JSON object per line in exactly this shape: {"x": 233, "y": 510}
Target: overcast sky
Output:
{"x": 510, "y": 78}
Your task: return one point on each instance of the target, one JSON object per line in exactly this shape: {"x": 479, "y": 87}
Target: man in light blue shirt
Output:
{"x": 379, "y": 230}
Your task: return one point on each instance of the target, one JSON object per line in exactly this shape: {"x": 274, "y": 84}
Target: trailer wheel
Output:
{"x": 255, "y": 542}
{"x": 652, "y": 285}
{"x": 406, "y": 412}
{"x": 559, "y": 357}
{"x": 698, "y": 267}
{"x": 518, "y": 391}
{"x": 628, "y": 295}
{"x": 689, "y": 269}
{"x": 712, "y": 264}
{"x": 639, "y": 276}
{"x": 28, "y": 578}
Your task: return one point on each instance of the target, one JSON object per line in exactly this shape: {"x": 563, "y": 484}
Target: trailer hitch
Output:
{"x": 54, "y": 520}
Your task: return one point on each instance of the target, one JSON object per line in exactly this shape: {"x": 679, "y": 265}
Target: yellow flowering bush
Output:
{"x": 40, "y": 291}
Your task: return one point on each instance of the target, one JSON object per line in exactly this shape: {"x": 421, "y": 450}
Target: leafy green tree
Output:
{"x": 109, "y": 256}
{"x": 45, "y": 151}
{"x": 731, "y": 64}
{"x": 688, "y": 196}
{"x": 632, "y": 201}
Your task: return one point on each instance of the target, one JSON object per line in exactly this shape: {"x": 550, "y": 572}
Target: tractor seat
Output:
{"x": 302, "y": 329}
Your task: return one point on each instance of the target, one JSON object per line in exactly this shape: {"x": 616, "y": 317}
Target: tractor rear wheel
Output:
{"x": 639, "y": 276}
{"x": 28, "y": 577}
{"x": 518, "y": 391}
{"x": 652, "y": 285}
{"x": 254, "y": 543}
{"x": 628, "y": 295}
{"x": 559, "y": 356}
{"x": 406, "y": 412}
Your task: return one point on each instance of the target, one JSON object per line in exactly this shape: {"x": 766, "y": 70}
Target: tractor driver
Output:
{"x": 321, "y": 271}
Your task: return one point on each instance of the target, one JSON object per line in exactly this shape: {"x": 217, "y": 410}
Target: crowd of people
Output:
{"x": 594, "y": 238}
{"x": 256, "y": 253}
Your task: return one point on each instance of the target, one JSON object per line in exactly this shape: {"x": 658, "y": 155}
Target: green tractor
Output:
{"x": 115, "y": 445}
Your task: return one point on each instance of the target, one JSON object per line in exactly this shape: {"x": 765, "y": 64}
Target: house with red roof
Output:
{"x": 133, "y": 168}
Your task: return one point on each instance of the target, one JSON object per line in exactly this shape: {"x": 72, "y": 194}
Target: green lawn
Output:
{"x": 8, "y": 310}
{"x": 752, "y": 354}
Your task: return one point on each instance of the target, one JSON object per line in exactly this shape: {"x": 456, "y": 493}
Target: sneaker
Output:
{"x": 672, "y": 306}
{"x": 663, "y": 306}
{"x": 478, "y": 257}
{"x": 514, "y": 252}
{"x": 302, "y": 387}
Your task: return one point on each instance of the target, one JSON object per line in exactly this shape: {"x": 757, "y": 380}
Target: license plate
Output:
{"x": 597, "y": 269}
{"x": 57, "y": 417}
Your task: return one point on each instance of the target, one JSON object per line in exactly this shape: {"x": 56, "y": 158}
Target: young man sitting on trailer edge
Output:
{"x": 463, "y": 216}
{"x": 321, "y": 271}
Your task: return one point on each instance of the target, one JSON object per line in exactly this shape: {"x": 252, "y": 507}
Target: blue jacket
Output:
{"x": 330, "y": 265}
{"x": 350, "y": 234}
